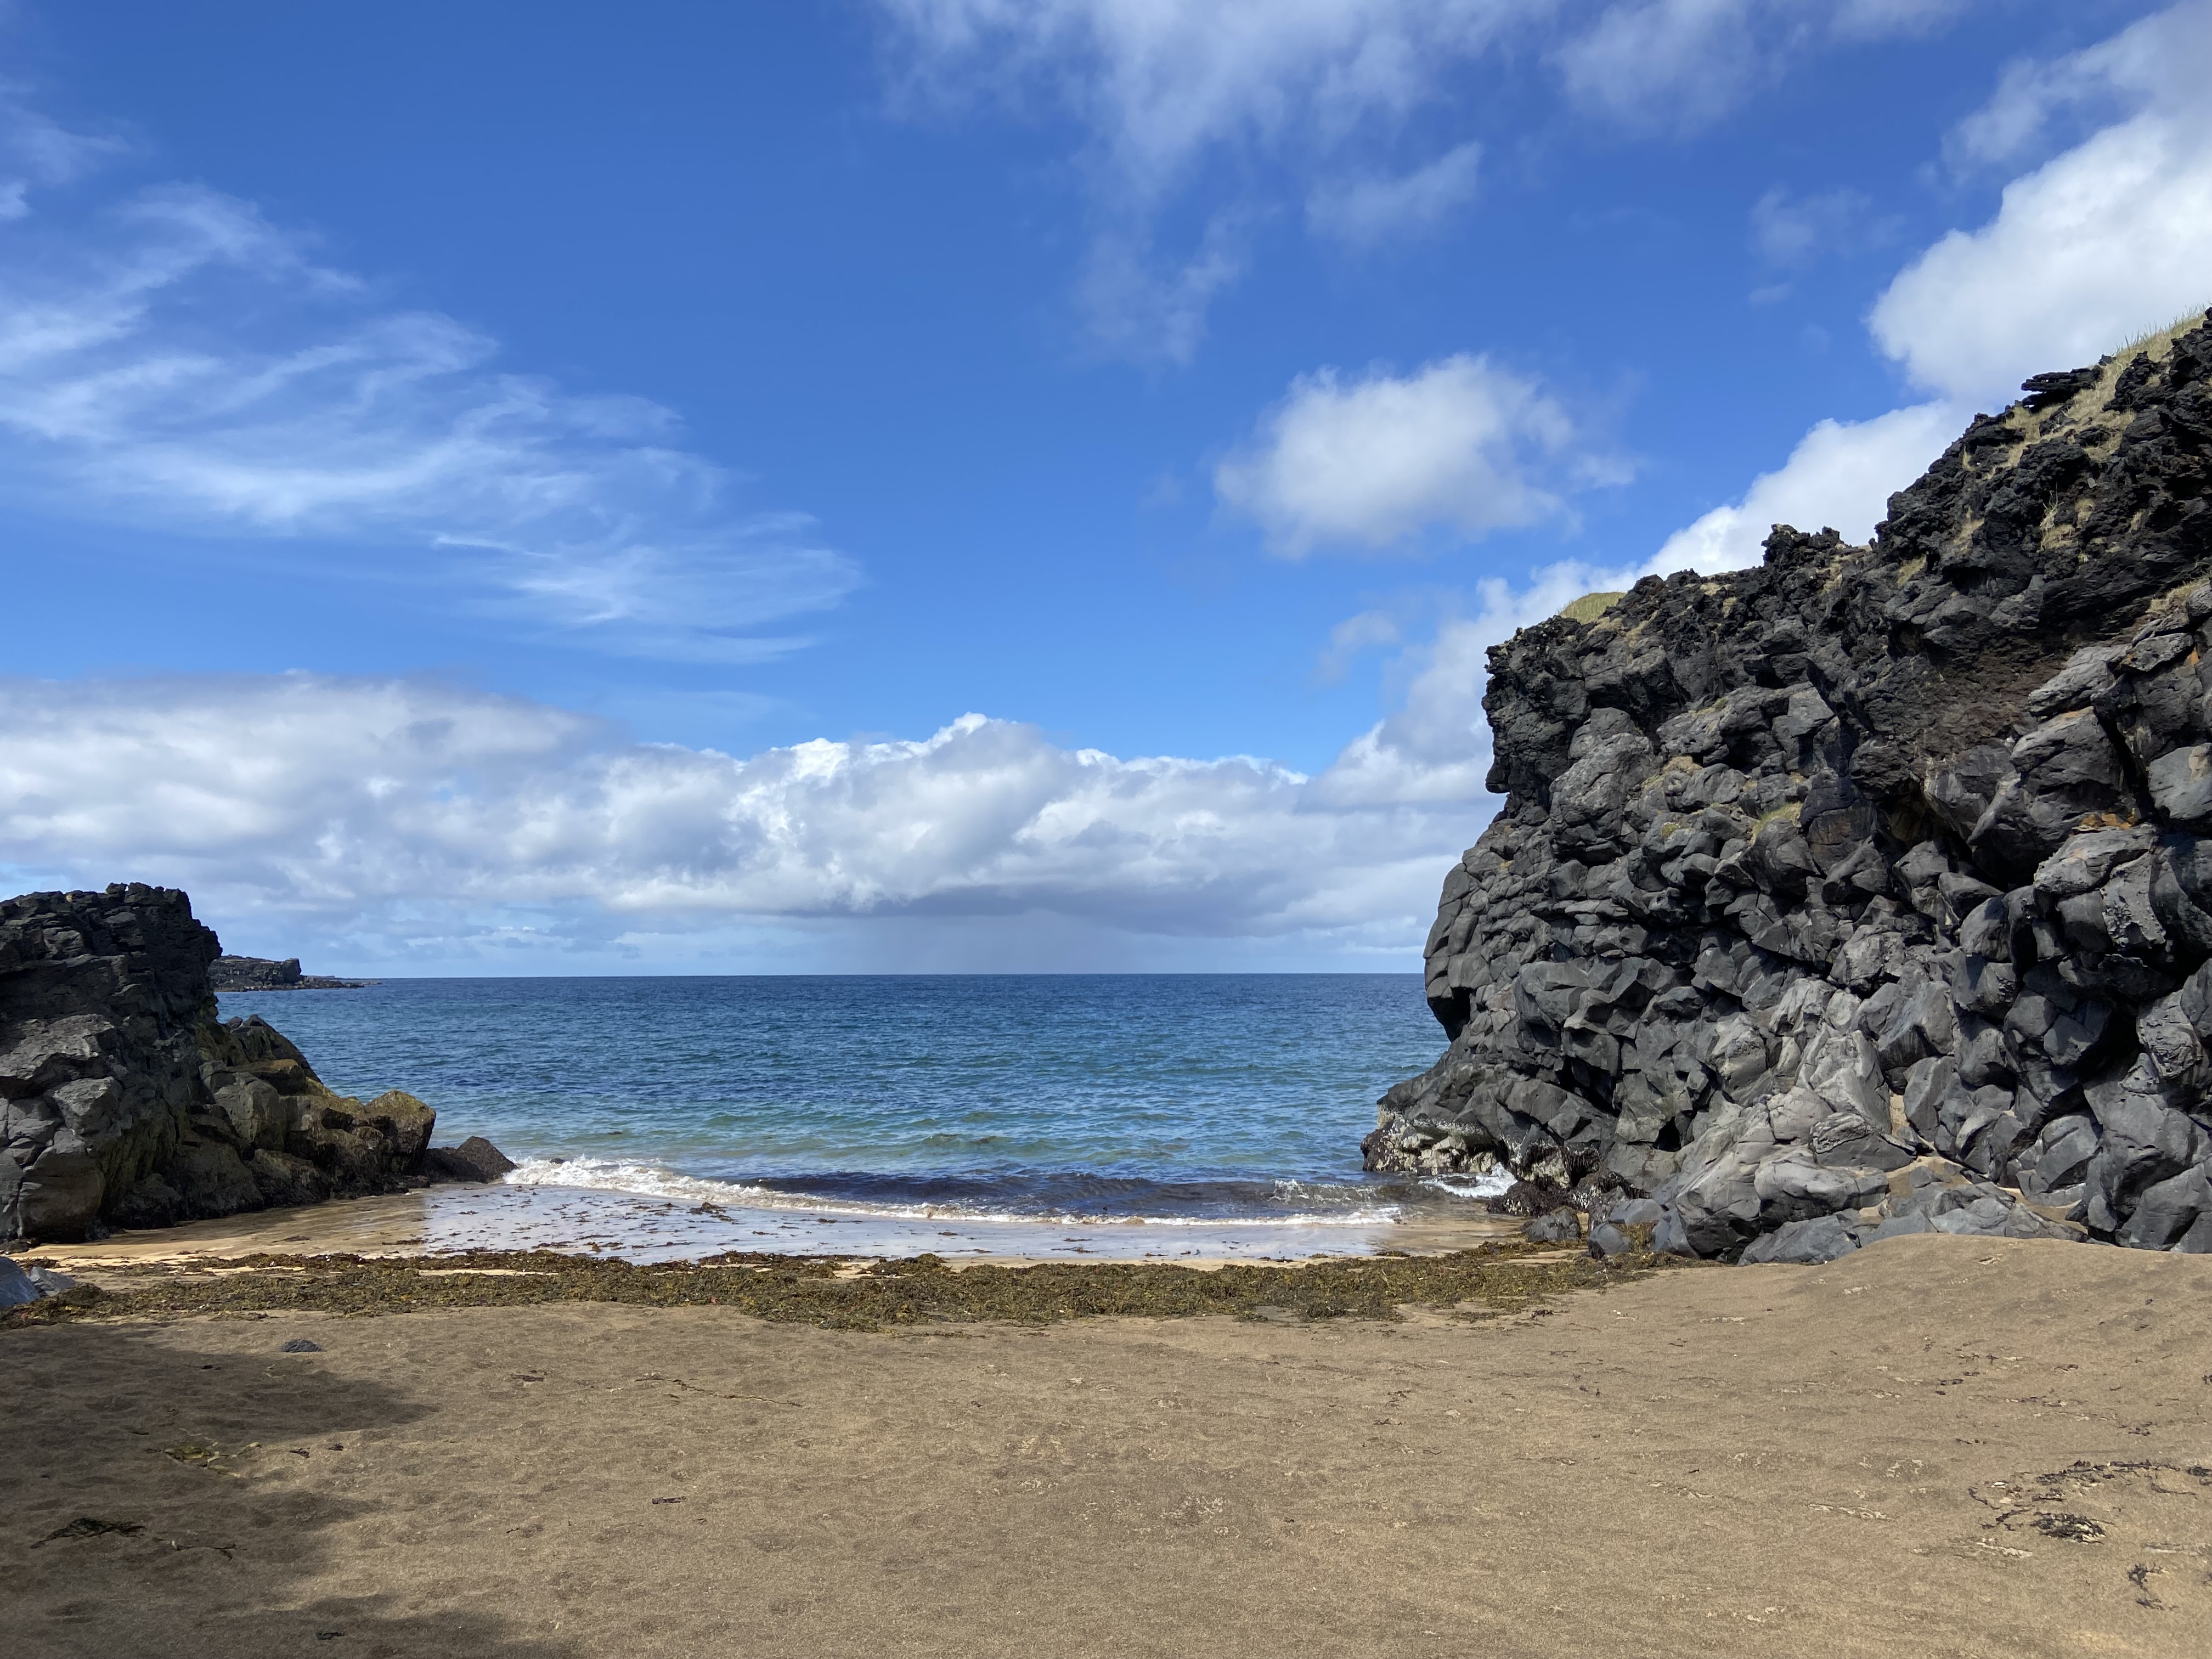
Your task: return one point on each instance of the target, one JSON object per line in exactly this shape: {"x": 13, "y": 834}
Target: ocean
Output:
{"x": 1117, "y": 1115}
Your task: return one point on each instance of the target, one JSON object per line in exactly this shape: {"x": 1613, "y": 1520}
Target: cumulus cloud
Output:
{"x": 2111, "y": 237}
{"x": 170, "y": 358}
{"x": 2108, "y": 239}
{"x": 1436, "y": 748}
{"x": 1372, "y": 462}
{"x": 1840, "y": 476}
{"x": 408, "y": 817}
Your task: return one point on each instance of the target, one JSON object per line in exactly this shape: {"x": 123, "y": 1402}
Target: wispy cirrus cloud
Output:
{"x": 1160, "y": 91}
{"x": 1336, "y": 98}
{"x": 38, "y": 153}
{"x": 1366, "y": 209}
{"x": 1790, "y": 231}
{"x": 169, "y": 357}
{"x": 1679, "y": 65}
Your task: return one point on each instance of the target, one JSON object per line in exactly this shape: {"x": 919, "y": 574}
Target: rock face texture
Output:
{"x": 1869, "y": 890}
{"x": 124, "y": 1100}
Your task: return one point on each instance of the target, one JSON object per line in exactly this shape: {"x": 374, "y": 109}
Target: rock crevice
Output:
{"x": 1866, "y": 890}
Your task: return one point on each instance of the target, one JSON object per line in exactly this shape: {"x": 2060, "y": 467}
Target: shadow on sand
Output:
{"x": 150, "y": 1505}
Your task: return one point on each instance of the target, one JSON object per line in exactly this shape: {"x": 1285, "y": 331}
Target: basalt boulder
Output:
{"x": 125, "y": 1100}
{"x": 1870, "y": 890}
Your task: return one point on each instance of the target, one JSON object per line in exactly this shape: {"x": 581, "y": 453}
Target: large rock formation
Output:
{"x": 124, "y": 1100}
{"x": 1867, "y": 891}
{"x": 233, "y": 973}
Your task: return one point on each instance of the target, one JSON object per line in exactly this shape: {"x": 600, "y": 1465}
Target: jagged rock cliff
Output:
{"x": 124, "y": 1100}
{"x": 1867, "y": 891}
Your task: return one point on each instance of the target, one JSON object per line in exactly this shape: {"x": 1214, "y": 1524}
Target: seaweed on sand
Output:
{"x": 1504, "y": 1277}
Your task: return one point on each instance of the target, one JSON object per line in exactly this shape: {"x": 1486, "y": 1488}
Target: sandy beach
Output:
{"x": 1938, "y": 1445}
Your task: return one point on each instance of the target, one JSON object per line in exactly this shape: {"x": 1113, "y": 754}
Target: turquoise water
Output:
{"x": 1070, "y": 1098}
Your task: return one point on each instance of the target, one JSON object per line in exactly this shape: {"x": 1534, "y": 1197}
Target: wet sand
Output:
{"x": 1937, "y": 1446}
{"x": 639, "y": 1228}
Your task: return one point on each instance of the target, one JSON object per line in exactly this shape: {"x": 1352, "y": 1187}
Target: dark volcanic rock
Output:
{"x": 124, "y": 1100}
{"x": 17, "y": 1286}
{"x": 474, "y": 1159}
{"x": 1864, "y": 891}
{"x": 1558, "y": 1226}
{"x": 234, "y": 973}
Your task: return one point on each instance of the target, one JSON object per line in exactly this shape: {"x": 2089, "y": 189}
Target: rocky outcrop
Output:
{"x": 233, "y": 973}
{"x": 124, "y": 1100}
{"x": 1868, "y": 891}
{"x": 475, "y": 1159}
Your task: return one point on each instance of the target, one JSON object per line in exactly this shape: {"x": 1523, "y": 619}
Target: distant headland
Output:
{"x": 231, "y": 973}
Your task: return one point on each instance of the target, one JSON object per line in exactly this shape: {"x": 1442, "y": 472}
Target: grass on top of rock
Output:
{"x": 1591, "y": 606}
{"x": 2152, "y": 339}
{"x": 1502, "y": 1277}
{"x": 2152, "y": 344}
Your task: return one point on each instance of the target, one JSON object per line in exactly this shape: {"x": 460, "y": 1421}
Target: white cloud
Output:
{"x": 1366, "y": 209}
{"x": 1374, "y": 461}
{"x": 2161, "y": 59}
{"x": 1437, "y": 746}
{"x": 1161, "y": 81}
{"x": 2108, "y": 239}
{"x": 1352, "y": 638}
{"x": 1840, "y": 476}
{"x": 1683, "y": 62}
{"x": 1792, "y": 231}
{"x": 37, "y": 153}
{"x": 1328, "y": 92}
{"x": 1436, "y": 749}
{"x": 1134, "y": 307}
{"x": 1673, "y": 62}
{"x": 411, "y": 817}
{"x": 1160, "y": 85}
{"x": 171, "y": 359}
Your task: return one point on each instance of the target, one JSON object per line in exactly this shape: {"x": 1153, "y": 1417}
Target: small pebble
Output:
{"x": 300, "y": 1345}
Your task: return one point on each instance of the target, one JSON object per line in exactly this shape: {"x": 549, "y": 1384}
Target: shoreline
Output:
{"x": 451, "y": 1217}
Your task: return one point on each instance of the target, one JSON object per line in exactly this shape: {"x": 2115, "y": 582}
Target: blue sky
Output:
{"x": 525, "y": 489}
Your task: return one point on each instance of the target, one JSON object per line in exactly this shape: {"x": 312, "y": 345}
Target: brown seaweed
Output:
{"x": 1494, "y": 1277}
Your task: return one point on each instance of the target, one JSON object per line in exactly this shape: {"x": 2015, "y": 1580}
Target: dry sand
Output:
{"x": 1938, "y": 1446}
